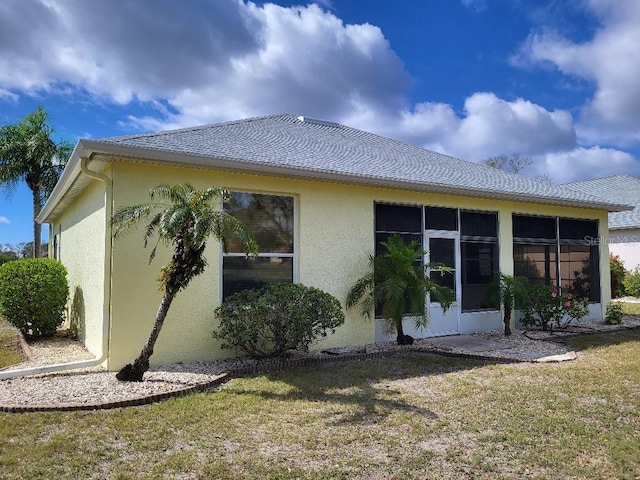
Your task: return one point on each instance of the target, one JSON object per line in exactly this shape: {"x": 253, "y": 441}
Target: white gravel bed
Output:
{"x": 91, "y": 388}
{"x": 58, "y": 349}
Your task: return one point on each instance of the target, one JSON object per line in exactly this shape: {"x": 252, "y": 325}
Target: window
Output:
{"x": 270, "y": 218}
{"x": 479, "y": 255}
{"x": 56, "y": 243}
{"x": 565, "y": 258}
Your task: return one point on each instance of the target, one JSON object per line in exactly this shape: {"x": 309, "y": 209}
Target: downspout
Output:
{"x": 106, "y": 318}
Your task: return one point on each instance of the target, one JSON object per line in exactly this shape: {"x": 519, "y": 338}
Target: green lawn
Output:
{"x": 630, "y": 308}
{"x": 417, "y": 416}
{"x": 10, "y": 352}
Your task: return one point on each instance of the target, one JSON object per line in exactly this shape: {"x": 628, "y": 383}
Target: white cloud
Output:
{"x": 489, "y": 126}
{"x": 518, "y": 126}
{"x": 204, "y": 62}
{"x": 610, "y": 60}
{"x": 475, "y": 5}
{"x": 585, "y": 163}
{"x": 4, "y": 220}
{"x": 209, "y": 61}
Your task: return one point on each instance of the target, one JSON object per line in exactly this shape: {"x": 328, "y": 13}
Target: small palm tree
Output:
{"x": 510, "y": 292}
{"x": 397, "y": 285}
{"x": 186, "y": 221}
{"x": 27, "y": 153}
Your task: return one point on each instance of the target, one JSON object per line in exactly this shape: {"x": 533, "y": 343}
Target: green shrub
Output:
{"x": 270, "y": 321}
{"x": 614, "y": 314}
{"x": 33, "y": 295}
{"x": 618, "y": 272}
{"x": 547, "y": 308}
{"x": 632, "y": 283}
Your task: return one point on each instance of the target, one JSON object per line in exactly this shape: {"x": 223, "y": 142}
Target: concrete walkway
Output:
{"x": 468, "y": 342}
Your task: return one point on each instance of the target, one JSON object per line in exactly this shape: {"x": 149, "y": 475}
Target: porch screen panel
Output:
{"x": 402, "y": 220}
{"x": 568, "y": 258}
{"x": 579, "y": 258}
{"x": 479, "y": 257}
{"x": 397, "y": 219}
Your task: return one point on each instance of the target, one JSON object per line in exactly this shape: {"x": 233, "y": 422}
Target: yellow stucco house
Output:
{"x": 320, "y": 197}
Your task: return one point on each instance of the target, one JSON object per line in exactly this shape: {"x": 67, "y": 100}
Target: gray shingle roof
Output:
{"x": 617, "y": 188}
{"x": 317, "y": 149}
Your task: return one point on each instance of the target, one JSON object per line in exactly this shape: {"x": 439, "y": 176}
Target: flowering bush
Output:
{"x": 548, "y": 308}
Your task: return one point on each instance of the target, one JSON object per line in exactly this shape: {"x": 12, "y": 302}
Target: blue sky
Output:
{"x": 555, "y": 81}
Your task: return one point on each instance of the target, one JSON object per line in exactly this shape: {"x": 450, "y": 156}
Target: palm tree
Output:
{"x": 187, "y": 221}
{"x": 27, "y": 153}
{"x": 509, "y": 292}
{"x": 397, "y": 285}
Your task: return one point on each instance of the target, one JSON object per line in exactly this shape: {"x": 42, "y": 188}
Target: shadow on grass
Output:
{"x": 604, "y": 339}
{"x": 367, "y": 386}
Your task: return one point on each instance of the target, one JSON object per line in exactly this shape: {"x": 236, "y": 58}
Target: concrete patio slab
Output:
{"x": 468, "y": 342}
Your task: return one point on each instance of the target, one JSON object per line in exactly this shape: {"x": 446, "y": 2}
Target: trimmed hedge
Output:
{"x": 632, "y": 283}
{"x": 33, "y": 295}
{"x": 268, "y": 322}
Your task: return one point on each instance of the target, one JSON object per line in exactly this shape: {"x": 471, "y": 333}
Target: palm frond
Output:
{"x": 152, "y": 255}
{"x": 162, "y": 192}
{"x": 151, "y": 228}
{"x": 213, "y": 193}
{"x": 362, "y": 294}
{"x": 227, "y": 227}
{"x": 127, "y": 218}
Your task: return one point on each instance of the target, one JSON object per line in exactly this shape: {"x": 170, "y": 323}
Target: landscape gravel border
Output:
{"x": 201, "y": 376}
{"x": 259, "y": 367}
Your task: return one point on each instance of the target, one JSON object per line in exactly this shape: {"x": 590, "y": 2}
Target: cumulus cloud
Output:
{"x": 519, "y": 125}
{"x": 214, "y": 60}
{"x": 475, "y": 5}
{"x": 610, "y": 60}
{"x": 488, "y": 126}
{"x": 4, "y": 220}
{"x": 208, "y": 60}
{"x": 585, "y": 163}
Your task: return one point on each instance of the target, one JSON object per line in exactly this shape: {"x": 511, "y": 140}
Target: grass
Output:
{"x": 10, "y": 351}
{"x": 630, "y": 308}
{"x": 417, "y": 416}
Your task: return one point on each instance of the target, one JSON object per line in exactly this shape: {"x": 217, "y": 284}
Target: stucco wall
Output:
{"x": 626, "y": 244}
{"x": 82, "y": 251}
{"x": 334, "y": 236}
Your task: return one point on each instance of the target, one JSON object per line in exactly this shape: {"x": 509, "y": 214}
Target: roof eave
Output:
{"x": 69, "y": 174}
{"x": 86, "y": 148}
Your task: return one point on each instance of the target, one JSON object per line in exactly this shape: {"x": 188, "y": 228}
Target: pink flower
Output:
{"x": 567, "y": 304}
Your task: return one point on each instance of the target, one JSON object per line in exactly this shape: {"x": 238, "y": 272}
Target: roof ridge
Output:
{"x": 601, "y": 179}
{"x": 193, "y": 128}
